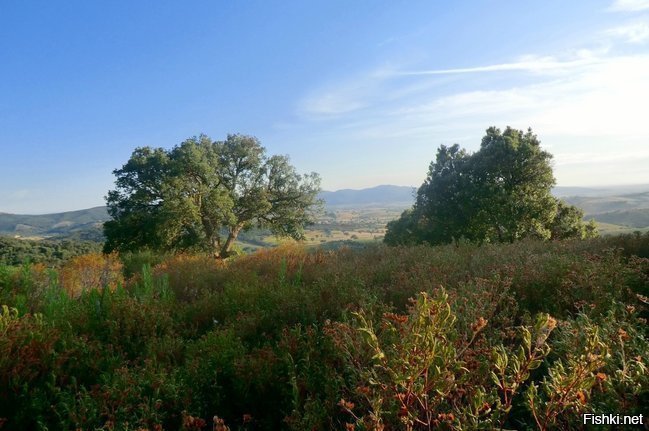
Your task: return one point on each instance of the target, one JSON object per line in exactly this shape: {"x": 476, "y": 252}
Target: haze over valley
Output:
{"x": 355, "y": 215}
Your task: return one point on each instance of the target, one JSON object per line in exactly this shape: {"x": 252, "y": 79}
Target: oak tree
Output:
{"x": 201, "y": 194}
{"x": 500, "y": 193}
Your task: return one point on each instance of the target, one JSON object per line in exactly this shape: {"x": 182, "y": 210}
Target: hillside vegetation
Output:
{"x": 363, "y": 213}
{"x": 636, "y": 218}
{"x": 50, "y": 253}
{"x": 626, "y": 211}
{"x": 515, "y": 336}
{"x": 87, "y": 221}
{"x": 611, "y": 202}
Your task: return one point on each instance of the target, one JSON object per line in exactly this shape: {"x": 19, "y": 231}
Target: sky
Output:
{"x": 361, "y": 92}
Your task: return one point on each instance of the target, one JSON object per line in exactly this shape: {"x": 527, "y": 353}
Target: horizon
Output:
{"x": 604, "y": 188}
{"x": 363, "y": 94}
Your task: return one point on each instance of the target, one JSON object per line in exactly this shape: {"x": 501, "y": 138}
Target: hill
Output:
{"x": 635, "y": 218}
{"x": 626, "y": 210}
{"x": 607, "y": 203}
{"x": 82, "y": 223}
{"x": 379, "y": 196}
{"x": 626, "y": 207}
{"x": 89, "y": 221}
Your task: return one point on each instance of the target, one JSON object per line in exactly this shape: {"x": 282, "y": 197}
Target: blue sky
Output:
{"x": 361, "y": 92}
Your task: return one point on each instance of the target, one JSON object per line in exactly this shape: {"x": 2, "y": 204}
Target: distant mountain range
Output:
{"x": 614, "y": 205}
{"x": 380, "y": 196}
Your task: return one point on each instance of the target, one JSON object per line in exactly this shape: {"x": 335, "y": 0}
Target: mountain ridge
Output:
{"x": 630, "y": 207}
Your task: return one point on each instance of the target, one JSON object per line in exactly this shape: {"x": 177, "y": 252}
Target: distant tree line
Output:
{"x": 501, "y": 193}
{"x": 14, "y": 251}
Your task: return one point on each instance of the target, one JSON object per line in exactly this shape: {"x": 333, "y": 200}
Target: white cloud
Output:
{"x": 629, "y": 5}
{"x": 528, "y": 64}
{"x": 587, "y": 105}
{"x": 378, "y": 86}
{"x": 631, "y": 33}
{"x": 603, "y": 97}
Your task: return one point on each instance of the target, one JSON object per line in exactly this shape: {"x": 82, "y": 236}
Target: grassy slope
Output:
{"x": 50, "y": 224}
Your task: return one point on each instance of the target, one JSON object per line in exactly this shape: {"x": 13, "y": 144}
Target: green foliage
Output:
{"x": 568, "y": 223}
{"x": 15, "y": 251}
{"x": 501, "y": 193}
{"x": 201, "y": 194}
{"x": 512, "y": 336}
{"x": 416, "y": 372}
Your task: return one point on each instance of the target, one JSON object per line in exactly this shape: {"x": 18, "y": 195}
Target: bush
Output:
{"x": 91, "y": 271}
{"x": 521, "y": 336}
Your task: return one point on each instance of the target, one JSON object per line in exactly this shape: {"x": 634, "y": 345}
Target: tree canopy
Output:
{"x": 500, "y": 193}
{"x": 201, "y": 194}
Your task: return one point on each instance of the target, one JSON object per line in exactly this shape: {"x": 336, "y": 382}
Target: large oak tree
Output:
{"x": 201, "y": 194}
{"x": 500, "y": 193}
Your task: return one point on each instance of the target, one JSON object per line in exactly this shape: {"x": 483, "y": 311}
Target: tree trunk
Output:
{"x": 216, "y": 247}
{"x": 213, "y": 237}
{"x": 232, "y": 236}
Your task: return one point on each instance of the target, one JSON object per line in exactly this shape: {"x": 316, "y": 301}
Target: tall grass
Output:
{"x": 408, "y": 338}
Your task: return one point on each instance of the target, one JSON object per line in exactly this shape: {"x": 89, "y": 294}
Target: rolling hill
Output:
{"x": 71, "y": 223}
{"x": 629, "y": 211}
{"x": 610, "y": 203}
{"x": 87, "y": 223}
{"x": 627, "y": 208}
{"x": 379, "y": 196}
{"x": 635, "y": 218}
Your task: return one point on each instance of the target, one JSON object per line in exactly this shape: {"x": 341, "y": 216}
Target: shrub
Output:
{"x": 91, "y": 271}
{"x": 455, "y": 337}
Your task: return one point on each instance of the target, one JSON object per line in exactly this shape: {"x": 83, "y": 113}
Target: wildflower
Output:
{"x": 363, "y": 390}
{"x": 446, "y": 417}
{"x": 219, "y": 424}
{"x": 346, "y": 405}
{"x": 582, "y": 397}
{"x": 622, "y": 334}
{"x": 479, "y": 325}
{"x": 485, "y": 408}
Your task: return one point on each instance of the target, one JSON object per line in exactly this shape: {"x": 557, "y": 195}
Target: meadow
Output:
{"x": 520, "y": 336}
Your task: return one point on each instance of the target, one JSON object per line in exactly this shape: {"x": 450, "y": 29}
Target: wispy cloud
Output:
{"x": 528, "y": 64}
{"x": 598, "y": 108}
{"x": 362, "y": 92}
{"x": 588, "y": 106}
{"x": 631, "y": 33}
{"x": 629, "y": 5}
